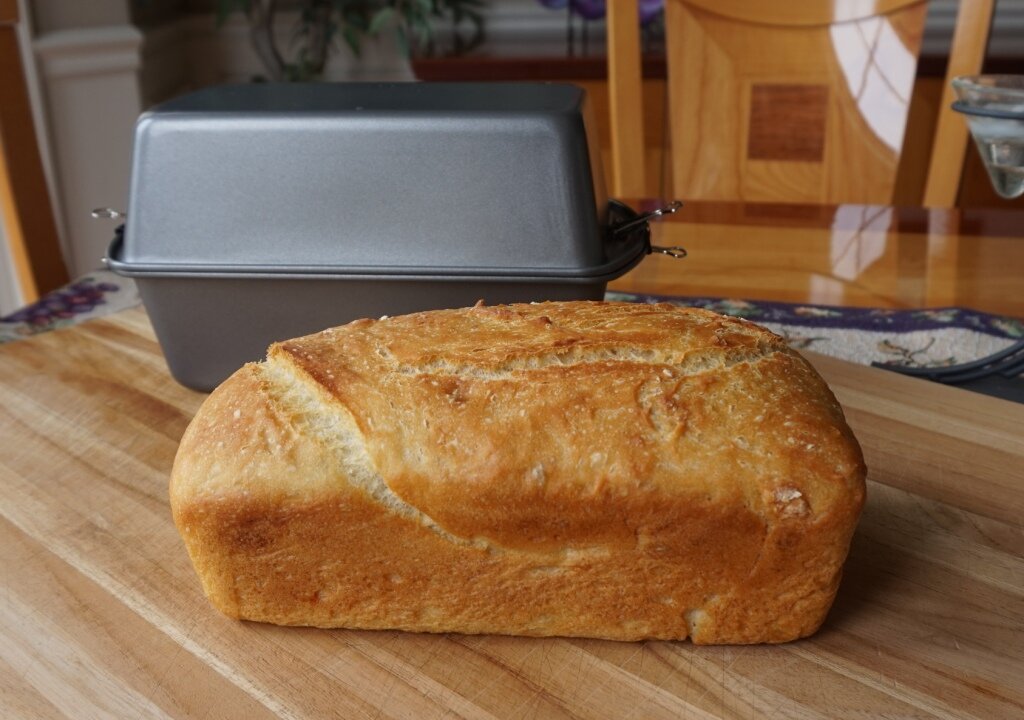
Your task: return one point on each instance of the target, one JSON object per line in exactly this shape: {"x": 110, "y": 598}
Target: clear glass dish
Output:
{"x": 994, "y": 108}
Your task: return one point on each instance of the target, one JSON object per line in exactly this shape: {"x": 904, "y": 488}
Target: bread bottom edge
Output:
{"x": 350, "y": 565}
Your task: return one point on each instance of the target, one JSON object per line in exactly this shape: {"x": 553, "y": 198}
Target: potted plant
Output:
{"x": 322, "y": 23}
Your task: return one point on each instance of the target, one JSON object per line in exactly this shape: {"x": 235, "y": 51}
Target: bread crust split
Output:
{"x": 605, "y": 470}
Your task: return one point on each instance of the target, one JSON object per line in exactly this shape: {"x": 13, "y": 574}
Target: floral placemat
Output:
{"x": 97, "y": 294}
{"x": 919, "y": 338}
{"x": 936, "y": 337}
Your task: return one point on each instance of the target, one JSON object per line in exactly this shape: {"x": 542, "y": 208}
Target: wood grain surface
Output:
{"x": 102, "y": 616}
{"x": 734, "y": 136}
{"x": 848, "y": 255}
{"x": 626, "y": 99}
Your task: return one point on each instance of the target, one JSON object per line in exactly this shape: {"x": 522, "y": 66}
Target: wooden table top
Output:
{"x": 102, "y": 615}
{"x": 851, "y": 255}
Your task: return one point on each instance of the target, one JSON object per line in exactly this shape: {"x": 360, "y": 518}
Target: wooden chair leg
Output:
{"x": 625, "y": 91}
{"x": 966, "y": 55}
{"x": 24, "y": 198}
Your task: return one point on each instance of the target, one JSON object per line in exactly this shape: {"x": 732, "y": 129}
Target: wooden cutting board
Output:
{"x": 101, "y": 615}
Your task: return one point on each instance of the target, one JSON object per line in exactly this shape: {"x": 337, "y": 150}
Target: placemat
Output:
{"x": 934, "y": 337}
{"x": 94, "y": 295}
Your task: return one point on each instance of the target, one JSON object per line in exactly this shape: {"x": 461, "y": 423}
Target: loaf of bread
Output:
{"x": 603, "y": 470}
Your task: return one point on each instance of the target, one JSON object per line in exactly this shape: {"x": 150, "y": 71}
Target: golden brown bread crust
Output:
{"x": 582, "y": 469}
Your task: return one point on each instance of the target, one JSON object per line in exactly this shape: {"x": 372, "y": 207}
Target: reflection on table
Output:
{"x": 853, "y": 255}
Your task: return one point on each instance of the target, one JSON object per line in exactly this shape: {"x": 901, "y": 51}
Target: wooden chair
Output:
{"x": 798, "y": 102}
{"x": 24, "y": 199}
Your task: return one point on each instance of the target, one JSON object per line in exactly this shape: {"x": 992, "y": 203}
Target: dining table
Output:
{"x": 845, "y": 255}
{"x": 103, "y": 616}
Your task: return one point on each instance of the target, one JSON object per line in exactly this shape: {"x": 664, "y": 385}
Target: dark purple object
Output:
{"x": 75, "y": 299}
{"x": 650, "y": 9}
{"x": 589, "y": 9}
{"x": 595, "y": 9}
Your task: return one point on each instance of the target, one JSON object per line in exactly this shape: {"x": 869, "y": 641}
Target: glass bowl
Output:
{"x": 994, "y": 108}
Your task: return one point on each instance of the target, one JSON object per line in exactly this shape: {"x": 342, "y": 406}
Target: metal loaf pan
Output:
{"x": 263, "y": 212}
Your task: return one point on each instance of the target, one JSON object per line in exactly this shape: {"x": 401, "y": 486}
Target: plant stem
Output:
{"x": 318, "y": 37}
{"x": 261, "y": 32}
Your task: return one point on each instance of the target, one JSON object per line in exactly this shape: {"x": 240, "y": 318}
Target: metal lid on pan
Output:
{"x": 405, "y": 177}
{"x": 626, "y": 242}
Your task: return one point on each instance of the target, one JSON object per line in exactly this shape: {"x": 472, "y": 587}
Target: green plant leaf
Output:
{"x": 226, "y": 7}
{"x": 403, "y": 40}
{"x": 423, "y": 34}
{"x": 352, "y": 39}
{"x": 332, "y": 23}
{"x": 426, "y": 7}
{"x": 380, "y": 19}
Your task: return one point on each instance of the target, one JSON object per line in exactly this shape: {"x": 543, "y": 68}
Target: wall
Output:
{"x": 91, "y": 94}
{"x": 10, "y": 294}
{"x": 103, "y": 61}
{"x": 53, "y": 15}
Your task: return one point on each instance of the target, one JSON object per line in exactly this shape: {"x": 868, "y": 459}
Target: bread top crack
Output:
{"x": 545, "y": 427}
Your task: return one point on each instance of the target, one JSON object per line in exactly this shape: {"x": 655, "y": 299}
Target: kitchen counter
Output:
{"x": 102, "y": 615}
